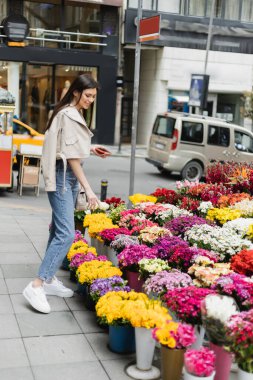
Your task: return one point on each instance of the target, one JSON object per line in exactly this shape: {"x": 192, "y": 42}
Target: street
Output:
{"x": 114, "y": 169}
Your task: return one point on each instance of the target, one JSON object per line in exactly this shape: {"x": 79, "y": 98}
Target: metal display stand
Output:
{"x": 29, "y": 175}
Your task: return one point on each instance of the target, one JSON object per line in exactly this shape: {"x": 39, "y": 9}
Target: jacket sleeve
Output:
{"x": 49, "y": 155}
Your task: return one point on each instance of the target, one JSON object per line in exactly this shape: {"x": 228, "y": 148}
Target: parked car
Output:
{"x": 186, "y": 143}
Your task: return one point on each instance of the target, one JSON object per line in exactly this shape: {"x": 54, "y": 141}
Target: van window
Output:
{"x": 192, "y": 132}
{"x": 243, "y": 142}
{"x": 164, "y": 126}
{"x": 218, "y": 136}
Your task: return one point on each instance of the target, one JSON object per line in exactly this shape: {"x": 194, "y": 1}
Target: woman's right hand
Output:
{"x": 92, "y": 199}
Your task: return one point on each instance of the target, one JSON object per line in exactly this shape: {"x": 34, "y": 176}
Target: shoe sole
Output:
{"x": 62, "y": 295}
{"x": 33, "y": 304}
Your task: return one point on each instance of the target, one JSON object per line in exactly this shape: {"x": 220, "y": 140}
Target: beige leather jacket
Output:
{"x": 68, "y": 137}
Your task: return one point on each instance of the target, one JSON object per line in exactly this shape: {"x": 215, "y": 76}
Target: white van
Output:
{"x": 186, "y": 143}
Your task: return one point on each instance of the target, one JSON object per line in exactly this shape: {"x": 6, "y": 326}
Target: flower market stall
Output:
{"x": 178, "y": 268}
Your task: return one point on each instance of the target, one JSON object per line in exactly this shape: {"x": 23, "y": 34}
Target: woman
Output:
{"x": 67, "y": 143}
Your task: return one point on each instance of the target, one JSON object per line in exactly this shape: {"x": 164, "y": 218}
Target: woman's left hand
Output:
{"x": 100, "y": 151}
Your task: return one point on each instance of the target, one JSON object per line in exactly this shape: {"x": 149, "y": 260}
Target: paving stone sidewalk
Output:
{"x": 65, "y": 344}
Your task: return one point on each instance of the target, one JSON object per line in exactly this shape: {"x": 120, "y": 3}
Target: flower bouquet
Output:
{"x": 167, "y": 245}
{"x": 182, "y": 258}
{"x": 199, "y": 364}
{"x": 162, "y": 282}
{"x": 223, "y": 215}
{"x": 179, "y": 225}
{"x": 102, "y": 286}
{"x": 148, "y": 267}
{"x": 150, "y": 235}
{"x": 97, "y": 223}
{"x": 79, "y": 259}
{"x": 80, "y": 247}
{"x": 240, "y": 341}
{"x": 217, "y": 239}
{"x": 245, "y": 207}
{"x": 92, "y": 270}
{"x": 122, "y": 241}
{"x": 186, "y": 303}
{"x": 216, "y": 310}
{"x": 166, "y": 196}
{"x": 109, "y": 234}
{"x": 242, "y": 262}
{"x": 206, "y": 272}
{"x": 130, "y": 256}
{"x": 114, "y": 202}
{"x": 115, "y": 213}
{"x": 239, "y": 226}
{"x": 139, "y": 198}
{"x": 237, "y": 286}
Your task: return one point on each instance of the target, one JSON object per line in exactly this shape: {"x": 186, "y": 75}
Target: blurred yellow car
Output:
{"x": 24, "y": 134}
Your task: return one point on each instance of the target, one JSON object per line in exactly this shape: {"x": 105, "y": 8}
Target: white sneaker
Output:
{"x": 37, "y": 298}
{"x": 56, "y": 288}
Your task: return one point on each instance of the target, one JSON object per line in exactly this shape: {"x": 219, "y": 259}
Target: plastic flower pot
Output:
{"x": 121, "y": 339}
{"x": 112, "y": 256}
{"x": 188, "y": 376}
{"x": 65, "y": 263}
{"x": 172, "y": 363}
{"x": 223, "y": 362}
{"x": 199, "y": 333}
{"x": 89, "y": 303}
{"x": 242, "y": 375}
{"x": 82, "y": 289}
{"x": 145, "y": 347}
{"x": 133, "y": 281}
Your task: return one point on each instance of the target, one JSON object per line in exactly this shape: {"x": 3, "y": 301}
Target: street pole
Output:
{"x": 209, "y": 38}
{"x": 135, "y": 99}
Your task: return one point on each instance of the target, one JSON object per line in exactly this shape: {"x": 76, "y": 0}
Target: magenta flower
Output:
{"x": 109, "y": 234}
{"x": 131, "y": 255}
{"x": 200, "y": 363}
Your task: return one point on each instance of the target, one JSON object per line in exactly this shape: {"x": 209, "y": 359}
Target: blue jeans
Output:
{"x": 62, "y": 231}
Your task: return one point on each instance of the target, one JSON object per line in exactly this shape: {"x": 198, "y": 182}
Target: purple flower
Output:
{"x": 109, "y": 234}
{"x": 163, "y": 281}
{"x": 122, "y": 241}
{"x": 179, "y": 225}
{"x": 167, "y": 245}
{"x": 101, "y": 286}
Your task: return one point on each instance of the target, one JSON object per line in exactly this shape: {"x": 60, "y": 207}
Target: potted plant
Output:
{"x": 199, "y": 364}
{"x": 148, "y": 267}
{"x": 174, "y": 338}
{"x": 78, "y": 218}
{"x": 101, "y": 286}
{"x": 129, "y": 259}
{"x": 240, "y": 342}
{"x": 216, "y": 310}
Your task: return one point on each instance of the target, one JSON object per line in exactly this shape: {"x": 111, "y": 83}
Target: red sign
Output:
{"x": 149, "y": 28}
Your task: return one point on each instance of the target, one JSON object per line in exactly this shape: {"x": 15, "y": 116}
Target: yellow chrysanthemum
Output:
{"x": 80, "y": 247}
{"x": 91, "y": 270}
{"x": 140, "y": 198}
{"x": 223, "y": 215}
{"x": 97, "y": 223}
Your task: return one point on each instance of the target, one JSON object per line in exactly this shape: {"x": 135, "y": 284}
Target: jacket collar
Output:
{"x": 73, "y": 114}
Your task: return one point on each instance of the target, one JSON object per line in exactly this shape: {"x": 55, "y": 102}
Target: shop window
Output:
{"x": 146, "y": 4}
{"x": 43, "y": 15}
{"x": 243, "y": 142}
{"x": 172, "y": 6}
{"x": 232, "y": 8}
{"x": 218, "y": 136}
{"x": 192, "y": 132}
{"x": 247, "y": 11}
{"x": 3, "y": 9}
{"x": 197, "y": 8}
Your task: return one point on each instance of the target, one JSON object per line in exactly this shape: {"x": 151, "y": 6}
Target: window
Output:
{"x": 217, "y": 8}
{"x": 243, "y": 142}
{"x": 172, "y": 6}
{"x": 192, "y": 132}
{"x": 197, "y": 8}
{"x": 232, "y": 9}
{"x": 43, "y": 15}
{"x": 218, "y": 136}
{"x": 146, "y": 4}
{"x": 164, "y": 126}
{"x": 247, "y": 10}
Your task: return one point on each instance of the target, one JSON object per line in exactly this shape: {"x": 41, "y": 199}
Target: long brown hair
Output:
{"x": 81, "y": 83}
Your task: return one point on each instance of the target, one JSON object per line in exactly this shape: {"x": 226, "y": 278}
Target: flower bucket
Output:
{"x": 72, "y": 275}
{"x": 133, "y": 281}
{"x": 223, "y": 362}
{"x": 200, "y": 333}
{"x": 112, "y": 256}
{"x": 82, "y": 289}
{"x": 65, "y": 263}
{"x": 242, "y": 375}
{"x": 121, "y": 339}
{"x": 101, "y": 248}
{"x": 94, "y": 243}
{"x": 79, "y": 226}
{"x": 172, "y": 363}
{"x": 188, "y": 376}
{"x": 145, "y": 348}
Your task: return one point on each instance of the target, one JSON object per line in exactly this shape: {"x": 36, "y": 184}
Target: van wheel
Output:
{"x": 192, "y": 171}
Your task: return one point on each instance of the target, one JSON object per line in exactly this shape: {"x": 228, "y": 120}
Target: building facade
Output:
{"x": 65, "y": 39}
{"x": 168, "y": 63}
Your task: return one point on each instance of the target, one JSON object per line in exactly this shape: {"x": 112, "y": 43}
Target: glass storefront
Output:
{"x": 43, "y": 87}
